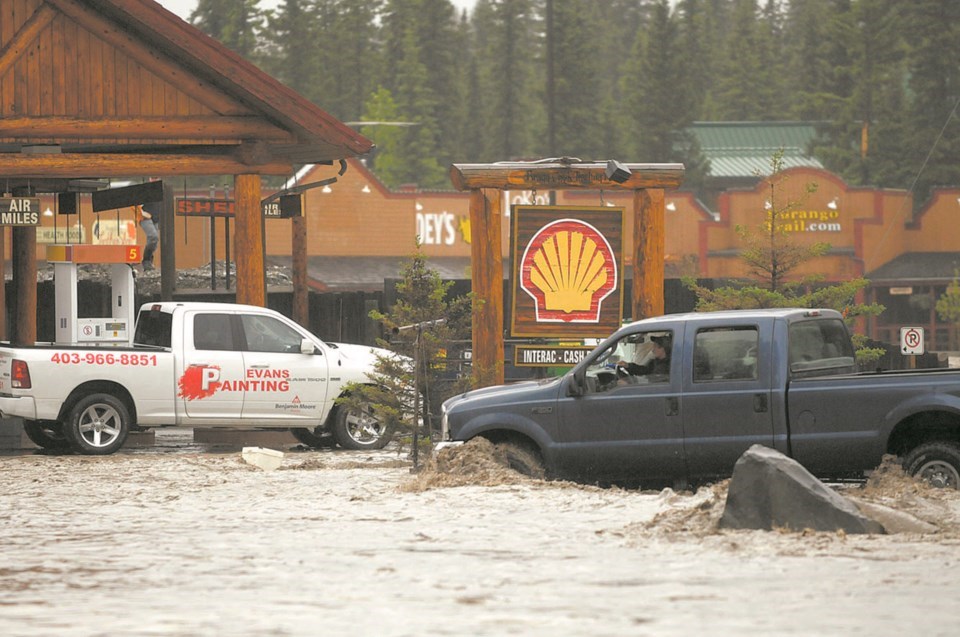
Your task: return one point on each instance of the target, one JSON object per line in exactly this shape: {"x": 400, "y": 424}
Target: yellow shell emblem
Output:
{"x": 568, "y": 268}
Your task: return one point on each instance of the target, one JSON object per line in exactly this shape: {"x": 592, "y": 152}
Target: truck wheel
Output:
{"x": 523, "y": 459}
{"x": 46, "y": 434}
{"x": 936, "y": 463}
{"x": 359, "y": 429}
{"x": 313, "y": 438}
{"x": 98, "y": 425}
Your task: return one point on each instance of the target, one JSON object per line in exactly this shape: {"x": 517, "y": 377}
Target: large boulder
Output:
{"x": 770, "y": 490}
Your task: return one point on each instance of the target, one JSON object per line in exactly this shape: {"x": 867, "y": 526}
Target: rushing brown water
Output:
{"x": 184, "y": 540}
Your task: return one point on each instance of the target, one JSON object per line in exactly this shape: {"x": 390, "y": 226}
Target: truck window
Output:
{"x": 820, "y": 346}
{"x": 636, "y": 359}
{"x": 212, "y": 332}
{"x": 153, "y": 328}
{"x": 267, "y": 334}
{"x": 725, "y": 353}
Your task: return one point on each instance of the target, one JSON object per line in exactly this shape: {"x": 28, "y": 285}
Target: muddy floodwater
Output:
{"x": 184, "y": 540}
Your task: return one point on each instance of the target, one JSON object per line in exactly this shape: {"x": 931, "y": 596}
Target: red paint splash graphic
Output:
{"x": 191, "y": 384}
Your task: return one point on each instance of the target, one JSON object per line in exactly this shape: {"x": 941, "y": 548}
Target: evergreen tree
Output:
{"x": 932, "y": 29}
{"x": 657, "y": 100}
{"x": 235, "y": 23}
{"x": 818, "y": 61}
{"x": 423, "y": 299}
{"x": 740, "y": 83}
{"x": 864, "y": 138}
{"x": 507, "y": 80}
{"x": 576, "y": 71}
{"x": 387, "y": 160}
{"x": 293, "y": 53}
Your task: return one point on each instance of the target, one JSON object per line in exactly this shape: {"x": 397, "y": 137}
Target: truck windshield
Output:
{"x": 820, "y": 347}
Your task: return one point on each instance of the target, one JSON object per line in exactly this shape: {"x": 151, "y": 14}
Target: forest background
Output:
{"x": 622, "y": 79}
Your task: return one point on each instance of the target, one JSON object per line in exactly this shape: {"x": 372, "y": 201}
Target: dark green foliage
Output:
{"x": 623, "y": 79}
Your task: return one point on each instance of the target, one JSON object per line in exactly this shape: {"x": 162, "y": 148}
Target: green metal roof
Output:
{"x": 744, "y": 149}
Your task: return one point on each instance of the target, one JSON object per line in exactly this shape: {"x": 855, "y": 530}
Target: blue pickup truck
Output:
{"x": 681, "y": 397}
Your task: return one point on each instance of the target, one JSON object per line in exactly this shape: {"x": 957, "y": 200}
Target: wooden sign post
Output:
{"x": 486, "y": 183}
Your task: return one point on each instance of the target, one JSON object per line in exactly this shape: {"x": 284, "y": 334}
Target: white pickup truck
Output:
{"x": 191, "y": 365}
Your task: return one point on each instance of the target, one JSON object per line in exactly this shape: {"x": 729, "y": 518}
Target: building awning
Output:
{"x": 340, "y": 274}
{"x": 917, "y": 267}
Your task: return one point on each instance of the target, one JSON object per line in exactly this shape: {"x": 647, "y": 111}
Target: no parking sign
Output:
{"x": 911, "y": 340}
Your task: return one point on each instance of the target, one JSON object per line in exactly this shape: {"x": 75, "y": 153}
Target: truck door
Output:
{"x": 281, "y": 382}
{"x": 627, "y": 423}
{"x": 211, "y": 366}
{"x": 727, "y": 401}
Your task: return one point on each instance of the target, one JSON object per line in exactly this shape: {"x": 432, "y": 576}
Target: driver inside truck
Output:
{"x": 655, "y": 364}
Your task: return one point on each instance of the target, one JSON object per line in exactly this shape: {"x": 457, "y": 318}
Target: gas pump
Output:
{"x": 116, "y": 329}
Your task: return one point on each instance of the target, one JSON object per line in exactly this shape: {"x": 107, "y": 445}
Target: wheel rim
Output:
{"x": 100, "y": 425}
{"x": 939, "y": 474}
{"x": 363, "y": 427}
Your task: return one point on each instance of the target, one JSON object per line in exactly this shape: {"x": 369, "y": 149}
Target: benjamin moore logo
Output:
{"x": 568, "y": 268}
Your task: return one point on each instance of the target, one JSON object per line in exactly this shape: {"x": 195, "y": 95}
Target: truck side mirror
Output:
{"x": 577, "y": 380}
{"x": 307, "y": 346}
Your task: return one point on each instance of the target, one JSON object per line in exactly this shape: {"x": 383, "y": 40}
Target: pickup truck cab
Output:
{"x": 783, "y": 378}
{"x": 190, "y": 365}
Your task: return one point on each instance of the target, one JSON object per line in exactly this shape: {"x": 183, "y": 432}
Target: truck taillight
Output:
{"x": 20, "y": 375}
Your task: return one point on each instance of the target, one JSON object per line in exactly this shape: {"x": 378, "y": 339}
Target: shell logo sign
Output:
{"x": 567, "y": 271}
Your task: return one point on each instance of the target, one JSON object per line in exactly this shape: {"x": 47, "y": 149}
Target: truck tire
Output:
{"x": 936, "y": 463}
{"x": 46, "y": 434}
{"x": 98, "y": 425}
{"x": 359, "y": 429}
{"x": 523, "y": 459}
{"x": 313, "y": 438}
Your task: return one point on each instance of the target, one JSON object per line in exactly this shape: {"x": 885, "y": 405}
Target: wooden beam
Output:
{"x": 248, "y": 240}
{"x": 562, "y": 176}
{"x": 648, "y": 253}
{"x": 147, "y": 56}
{"x": 486, "y": 268}
{"x": 79, "y": 165}
{"x": 20, "y": 42}
{"x": 201, "y": 127}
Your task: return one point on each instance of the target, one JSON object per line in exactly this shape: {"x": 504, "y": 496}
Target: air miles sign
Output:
{"x": 567, "y": 275}
{"x": 19, "y": 211}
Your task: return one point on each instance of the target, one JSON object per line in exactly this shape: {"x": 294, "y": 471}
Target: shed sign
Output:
{"x": 19, "y": 211}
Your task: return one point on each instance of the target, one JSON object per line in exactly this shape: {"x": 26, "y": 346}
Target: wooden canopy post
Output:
{"x": 485, "y": 183}
{"x": 248, "y": 241}
{"x": 486, "y": 272}
{"x": 648, "y": 253}
{"x": 298, "y": 240}
{"x": 25, "y": 274}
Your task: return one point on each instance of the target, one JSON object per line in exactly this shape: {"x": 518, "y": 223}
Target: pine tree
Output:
{"x": 932, "y": 29}
{"x": 577, "y": 130}
{"x": 864, "y": 139}
{"x": 293, "y": 54}
{"x": 235, "y": 23}
{"x": 507, "y": 81}
{"x": 739, "y": 87}
{"x": 660, "y": 108}
{"x": 424, "y": 300}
